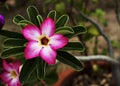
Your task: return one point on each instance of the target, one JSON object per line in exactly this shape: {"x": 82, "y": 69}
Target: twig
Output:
{"x": 115, "y": 67}
{"x": 100, "y": 29}
{"x": 97, "y": 58}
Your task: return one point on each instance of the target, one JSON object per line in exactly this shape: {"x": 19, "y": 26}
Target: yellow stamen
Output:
{"x": 13, "y": 74}
{"x": 44, "y": 40}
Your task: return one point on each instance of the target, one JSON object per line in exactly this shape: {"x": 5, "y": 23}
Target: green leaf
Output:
{"x": 12, "y": 52}
{"x": 93, "y": 31}
{"x": 87, "y": 37}
{"x": 51, "y": 77}
{"x": 70, "y": 60}
{"x": 11, "y": 42}
{"x": 64, "y": 30}
{"x": 11, "y": 34}
{"x": 23, "y": 23}
{"x": 41, "y": 66}
{"x": 40, "y": 19}
{"x": 18, "y": 18}
{"x": 27, "y": 70}
{"x": 52, "y": 14}
{"x": 77, "y": 31}
{"x": 32, "y": 14}
{"x": 74, "y": 46}
{"x": 62, "y": 21}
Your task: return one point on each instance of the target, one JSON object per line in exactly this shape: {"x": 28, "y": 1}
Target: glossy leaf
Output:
{"x": 77, "y": 31}
{"x": 23, "y": 23}
{"x": 52, "y": 14}
{"x": 27, "y": 70}
{"x": 62, "y": 21}
{"x": 32, "y": 14}
{"x": 64, "y": 30}
{"x": 74, "y": 46}
{"x": 18, "y": 18}
{"x": 11, "y": 34}
{"x": 41, "y": 66}
{"x": 51, "y": 76}
{"x": 70, "y": 60}
{"x": 11, "y": 42}
{"x": 87, "y": 37}
{"x": 40, "y": 19}
{"x": 12, "y": 52}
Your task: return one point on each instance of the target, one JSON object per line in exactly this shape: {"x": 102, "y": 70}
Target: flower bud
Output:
{"x": 2, "y": 21}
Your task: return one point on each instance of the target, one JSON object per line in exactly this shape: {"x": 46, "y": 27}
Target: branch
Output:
{"x": 100, "y": 29}
{"x": 115, "y": 67}
{"x": 97, "y": 58}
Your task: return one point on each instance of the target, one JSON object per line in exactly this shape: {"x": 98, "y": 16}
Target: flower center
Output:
{"x": 13, "y": 74}
{"x": 44, "y": 40}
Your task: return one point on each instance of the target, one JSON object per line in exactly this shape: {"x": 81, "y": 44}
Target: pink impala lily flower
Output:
{"x": 10, "y": 75}
{"x": 43, "y": 41}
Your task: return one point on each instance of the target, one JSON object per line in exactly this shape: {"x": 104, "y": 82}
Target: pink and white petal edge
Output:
{"x": 32, "y": 50}
{"x": 6, "y": 66}
{"x": 48, "y": 55}
{"x": 31, "y": 32}
{"x": 48, "y": 27}
{"x": 58, "y": 41}
{"x": 5, "y": 77}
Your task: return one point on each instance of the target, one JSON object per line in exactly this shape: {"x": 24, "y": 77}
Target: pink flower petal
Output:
{"x": 32, "y": 50}
{"x": 58, "y": 41}
{"x": 31, "y": 32}
{"x": 6, "y": 66}
{"x": 48, "y": 55}
{"x": 5, "y": 77}
{"x": 48, "y": 27}
{"x": 16, "y": 66}
{"x": 14, "y": 82}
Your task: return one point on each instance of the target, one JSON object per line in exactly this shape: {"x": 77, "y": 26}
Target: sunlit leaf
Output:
{"x": 93, "y": 31}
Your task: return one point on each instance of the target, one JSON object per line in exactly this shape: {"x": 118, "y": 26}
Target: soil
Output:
{"x": 90, "y": 77}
